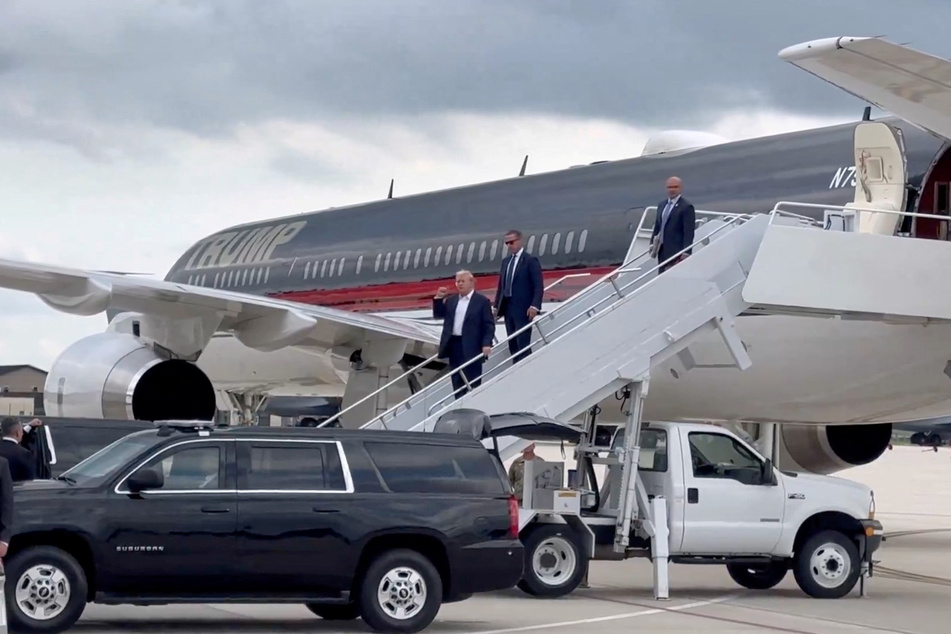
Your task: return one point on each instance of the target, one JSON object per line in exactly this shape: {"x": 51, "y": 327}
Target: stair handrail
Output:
{"x": 791, "y": 203}
{"x": 535, "y": 323}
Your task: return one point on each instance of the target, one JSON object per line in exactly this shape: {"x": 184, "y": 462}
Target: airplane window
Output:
{"x": 448, "y": 254}
{"x": 554, "y": 243}
{"x": 379, "y": 256}
{"x": 568, "y": 240}
{"x": 203, "y": 279}
{"x": 359, "y": 264}
{"x": 267, "y": 274}
{"x": 306, "y": 269}
{"x": 396, "y": 260}
{"x": 244, "y": 277}
{"x": 340, "y": 268}
{"x": 459, "y": 254}
{"x": 386, "y": 262}
{"x": 216, "y": 279}
{"x": 409, "y": 252}
{"x": 429, "y": 251}
{"x": 482, "y": 251}
{"x": 230, "y": 278}
{"x": 323, "y": 268}
{"x": 260, "y": 273}
{"x": 438, "y": 254}
{"x": 190, "y": 279}
{"x": 495, "y": 246}
{"x": 419, "y": 254}
{"x": 333, "y": 265}
{"x": 531, "y": 244}
{"x": 582, "y": 240}
{"x": 542, "y": 244}
{"x": 471, "y": 251}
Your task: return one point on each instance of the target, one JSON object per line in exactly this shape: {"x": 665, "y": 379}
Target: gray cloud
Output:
{"x": 204, "y": 67}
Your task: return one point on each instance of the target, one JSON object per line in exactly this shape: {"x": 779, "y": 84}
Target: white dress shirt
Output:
{"x": 460, "y": 315}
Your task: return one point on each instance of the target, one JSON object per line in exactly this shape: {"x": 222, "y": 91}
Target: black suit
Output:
{"x": 478, "y": 330}
{"x": 517, "y": 291}
{"x": 22, "y": 462}
{"x": 678, "y": 230}
{"x": 6, "y": 502}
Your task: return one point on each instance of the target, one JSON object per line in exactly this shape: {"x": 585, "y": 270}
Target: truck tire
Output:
{"x": 827, "y": 565}
{"x": 555, "y": 561}
{"x": 758, "y": 577}
{"x": 335, "y": 611}
{"x": 45, "y": 590}
{"x": 400, "y": 592}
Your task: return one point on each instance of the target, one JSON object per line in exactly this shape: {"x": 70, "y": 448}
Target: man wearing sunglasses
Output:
{"x": 518, "y": 297}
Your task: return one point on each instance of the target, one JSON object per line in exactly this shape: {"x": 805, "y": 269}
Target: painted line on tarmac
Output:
{"x": 616, "y": 617}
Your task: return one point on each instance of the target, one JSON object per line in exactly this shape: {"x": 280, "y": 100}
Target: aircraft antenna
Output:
{"x": 524, "y": 165}
{"x": 867, "y": 114}
{"x": 390, "y": 195}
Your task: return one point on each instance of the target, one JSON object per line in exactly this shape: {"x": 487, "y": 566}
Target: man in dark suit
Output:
{"x": 467, "y": 330}
{"x": 21, "y": 461}
{"x": 6, "y": 507}
{"x": 518, "y": 297}
{"x": 673, "y": 227}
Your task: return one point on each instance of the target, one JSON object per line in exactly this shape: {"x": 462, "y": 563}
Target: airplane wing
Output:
{"x": 258, "y": 322}
{"x": 912, "y": 85}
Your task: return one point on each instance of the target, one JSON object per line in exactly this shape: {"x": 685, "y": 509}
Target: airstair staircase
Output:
{"x": 609, "y": 335}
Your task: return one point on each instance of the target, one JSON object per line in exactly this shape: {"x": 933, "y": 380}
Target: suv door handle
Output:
{"x": 215, "y": 509}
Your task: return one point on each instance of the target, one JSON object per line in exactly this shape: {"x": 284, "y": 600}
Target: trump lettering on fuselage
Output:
{"x": 250, "y": 246}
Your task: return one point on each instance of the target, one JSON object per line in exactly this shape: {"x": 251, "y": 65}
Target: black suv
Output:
{"x": 381, "y": 525}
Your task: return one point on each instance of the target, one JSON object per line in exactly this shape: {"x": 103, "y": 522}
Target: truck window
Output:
{"x": 719, "y": 456}
{"x": 309, "y": 466}
{"x": 436, "y": 469}
{"x": 653, "y": 455}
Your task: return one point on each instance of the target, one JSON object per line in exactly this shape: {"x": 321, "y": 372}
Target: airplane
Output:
{"x": 328, "y": 303}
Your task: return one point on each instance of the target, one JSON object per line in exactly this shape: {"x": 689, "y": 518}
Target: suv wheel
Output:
{"x": 45, "y": 590}
{"x": 554, "y": 561}
{"x": 400, "y": 592}
{"x": 827, "y": 566}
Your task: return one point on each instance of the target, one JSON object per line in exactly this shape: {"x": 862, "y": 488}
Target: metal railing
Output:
{"x": 546, "y": 337}
{"x": 781, "y": 208}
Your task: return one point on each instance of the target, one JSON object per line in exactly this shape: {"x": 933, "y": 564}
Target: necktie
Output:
{"x": 509, "y": 274}
{"x": 664, "y": 217}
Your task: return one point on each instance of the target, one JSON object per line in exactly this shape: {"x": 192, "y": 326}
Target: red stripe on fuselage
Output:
{"x": 419, "y": 295}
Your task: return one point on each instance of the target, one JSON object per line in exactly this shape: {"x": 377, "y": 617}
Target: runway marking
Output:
{"x": 615, "y": 617}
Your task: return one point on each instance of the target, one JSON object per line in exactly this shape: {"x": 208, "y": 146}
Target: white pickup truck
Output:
{"x": 725, "y": 503}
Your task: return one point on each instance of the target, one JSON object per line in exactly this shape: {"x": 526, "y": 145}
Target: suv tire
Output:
{"x": 44, "y": 580}
{"x": 395, "y": 581}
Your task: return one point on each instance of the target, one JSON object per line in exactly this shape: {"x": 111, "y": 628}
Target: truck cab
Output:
{"x": 723, "y": 503}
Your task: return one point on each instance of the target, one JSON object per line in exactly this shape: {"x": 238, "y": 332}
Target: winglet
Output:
{"x": 813, "y": 48}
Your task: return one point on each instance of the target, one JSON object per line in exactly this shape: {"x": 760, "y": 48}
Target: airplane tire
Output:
{"x": 555, "y": 561}
{"x": 758, "y": 577}
{"x": 827, "y": 565}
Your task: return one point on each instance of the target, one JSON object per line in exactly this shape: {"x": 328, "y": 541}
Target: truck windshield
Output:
{"x": 105, "y": 462}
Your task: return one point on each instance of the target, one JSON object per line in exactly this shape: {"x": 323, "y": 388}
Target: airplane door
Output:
{"x": 880, "y": 176}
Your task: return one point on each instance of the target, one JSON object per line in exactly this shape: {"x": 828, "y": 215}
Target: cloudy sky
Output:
{"x": 129, "y": 129}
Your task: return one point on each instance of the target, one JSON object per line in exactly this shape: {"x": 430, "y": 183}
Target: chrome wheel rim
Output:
{"x": 42, "y": 592}
{"x": 402, "y": 593}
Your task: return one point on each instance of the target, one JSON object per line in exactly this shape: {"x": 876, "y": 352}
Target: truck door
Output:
{"x": 726, "y": 509}
{"x": 880, "y": 176}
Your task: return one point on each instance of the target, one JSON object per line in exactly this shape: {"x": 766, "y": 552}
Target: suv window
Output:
{"x": 304, "y": 466}
{"x": 108, "y": 460}
{"x": 191, "y": 467}
{"x": 436, "y": 469}
{"x": 75, "y": 443}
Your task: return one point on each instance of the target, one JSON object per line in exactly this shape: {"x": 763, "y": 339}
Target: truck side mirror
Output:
{"x": 766, "y": 473}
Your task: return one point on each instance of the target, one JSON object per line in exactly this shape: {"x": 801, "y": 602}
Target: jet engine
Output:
{"x": 117, "y": 376}
{"x": 825, "y": 449}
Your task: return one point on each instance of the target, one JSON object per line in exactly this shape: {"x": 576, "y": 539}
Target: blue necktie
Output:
{"x": 664, "y": 217}
{"x": 507, "y": 288}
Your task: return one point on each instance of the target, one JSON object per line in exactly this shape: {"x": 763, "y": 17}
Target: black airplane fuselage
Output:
{"x": 392, "y": 254}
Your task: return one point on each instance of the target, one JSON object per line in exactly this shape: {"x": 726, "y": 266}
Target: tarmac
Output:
{"x": 910, "y": 592}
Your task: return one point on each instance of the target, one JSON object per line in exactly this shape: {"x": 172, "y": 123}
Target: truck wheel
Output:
{"x": 335, "y": 611}
{"x": 827, "y": 565}
{"x": 45, "y": 590}
{"x": 554, "y": 561}
{"x": 758, "y": 577}
{"x": 400, "y": 592}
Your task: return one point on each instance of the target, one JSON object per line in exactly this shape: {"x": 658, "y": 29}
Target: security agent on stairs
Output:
{"x": 518, "y": 297}
{"x": 673, "y": 227}
{"x": 467, "y": 330}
